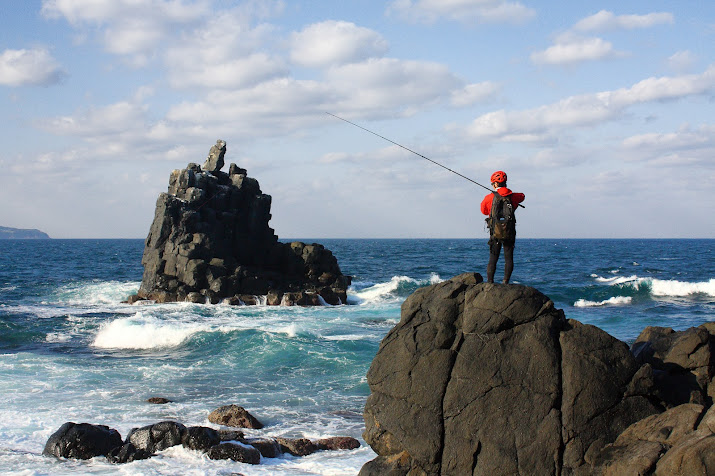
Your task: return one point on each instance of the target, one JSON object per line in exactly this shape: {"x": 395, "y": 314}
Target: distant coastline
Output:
{"x": 7, "y": 233}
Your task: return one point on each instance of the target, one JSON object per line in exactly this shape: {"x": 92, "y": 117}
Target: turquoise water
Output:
{"x": 70, "y": 351}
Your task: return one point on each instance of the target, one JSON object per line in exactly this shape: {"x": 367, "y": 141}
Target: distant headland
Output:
{"x": 7, "y": 233}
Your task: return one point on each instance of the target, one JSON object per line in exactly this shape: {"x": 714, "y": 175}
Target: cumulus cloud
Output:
{"x": 130, "y": 27}
{"x": 214, "y": 56}
{"x": 376, "y": 87}
{"x": 605, "y": 20}
{"x": 99, "y": 121}
{"x": 682, "y": 61}
{"x": 474, "y": 93}
{"x": 571, "y": 48}
{"x": 686, "y": 146}
{"x": 34, "y": 67}
{"x": 334, "y": 43}
{"x": 464, "y": 11}
{"x": 587, "y": 109}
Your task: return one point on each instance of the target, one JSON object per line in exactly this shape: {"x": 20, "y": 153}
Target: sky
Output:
{"x": 601, "y": 112}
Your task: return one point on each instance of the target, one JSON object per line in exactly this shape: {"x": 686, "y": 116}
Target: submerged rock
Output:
{"x": 210, "y": 242}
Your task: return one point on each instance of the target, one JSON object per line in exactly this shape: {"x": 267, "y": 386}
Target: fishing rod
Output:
{"x": 410, "y": 150}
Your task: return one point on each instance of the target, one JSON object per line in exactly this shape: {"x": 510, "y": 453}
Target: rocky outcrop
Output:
{"x": 210, "y": 242}
{"x": 481, "y": 378}
{"x": 85, "y": 441}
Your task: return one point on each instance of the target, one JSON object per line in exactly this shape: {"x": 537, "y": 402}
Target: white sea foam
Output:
{"x": 386, "y": 291}
{"x": 106, "y": 292}
{"x": 616, "y": 300}
{"x": 662, "y": 287}
{"x": 380, "y": 291}
{"x": 144, "y": 332}
{"x": 618, "y": 279}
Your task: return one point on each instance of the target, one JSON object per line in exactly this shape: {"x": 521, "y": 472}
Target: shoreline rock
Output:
{"x": 210, "y": 242}
{"x": 85, "y": 441}
{"x": 481, "y": 378}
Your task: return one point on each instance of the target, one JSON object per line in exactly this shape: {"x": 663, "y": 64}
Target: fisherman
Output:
{"x": 506, "y": 235}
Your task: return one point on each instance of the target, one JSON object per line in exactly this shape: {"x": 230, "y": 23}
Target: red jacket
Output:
{"x": 516, "y": 199}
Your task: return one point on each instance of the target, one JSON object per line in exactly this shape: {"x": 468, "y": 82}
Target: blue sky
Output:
{"x": 600, "y": 112}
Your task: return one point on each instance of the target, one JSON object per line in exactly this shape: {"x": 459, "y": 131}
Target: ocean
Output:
{"x": 71, "y": 351}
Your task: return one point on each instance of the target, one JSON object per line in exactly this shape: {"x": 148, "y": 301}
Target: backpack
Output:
{"x": 501, "y": 220}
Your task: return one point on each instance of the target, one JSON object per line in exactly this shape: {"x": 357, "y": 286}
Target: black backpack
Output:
{"x": 501, "y": 220}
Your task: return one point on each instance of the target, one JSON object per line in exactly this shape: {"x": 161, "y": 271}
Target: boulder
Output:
{"x": 210, "y": 242}
{"x": 235, "y": 416}
{"x": 214, "y": 162}
{"x": 268, "y": 447}
{"x": 200, "y": 438}
{"x": 126, "y": 454}
{"x": 680, "y": 441}
{"x": 684, "y": 362}
{"x": 235, "y": 452}
{"x": 338, "y": 443}
{"x": 158, "y": 400}
{"x": 82, "y": 441}
{"x": 157, "y": 437}
{"x": 297, "y": 446}
{"x": 481, "y": 378}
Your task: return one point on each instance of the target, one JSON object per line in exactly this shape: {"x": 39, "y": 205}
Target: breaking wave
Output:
{"x": 144, "y": 332}
{"x": 662, "y": 287}
{"x": 616, "y": 300}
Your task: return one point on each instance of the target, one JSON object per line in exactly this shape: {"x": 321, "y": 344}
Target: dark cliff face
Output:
{"x": 210, "y": 241}
{"x": 491, "y": 379}
{"x": 480, "y": 379}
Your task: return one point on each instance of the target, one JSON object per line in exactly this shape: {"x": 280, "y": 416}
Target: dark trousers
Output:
{"x": 495, "y": 247}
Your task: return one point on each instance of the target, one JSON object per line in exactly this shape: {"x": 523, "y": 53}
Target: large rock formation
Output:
{"x": 210, "y": 241}
{"x": 491, "y": 379}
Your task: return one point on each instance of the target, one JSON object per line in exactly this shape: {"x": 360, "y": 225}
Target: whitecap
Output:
{"x": 616, "y": 300}
{"x": 379, "y": 291}
{"x": 144, "y": 332}
{"x": 659, "y": 287}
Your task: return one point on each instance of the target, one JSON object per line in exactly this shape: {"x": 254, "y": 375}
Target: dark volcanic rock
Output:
{"x": 210, "y": 241}
{"x": 297, "y": 446}
{"x": 126, "y": 454}
{"x": 235, "y": 452}
{"x": 492, "y": 379}
{"x": 236, "y": 416}
{"x": 338, "y": 443}
{"x": 82, "y": 441}
{"x": 157, "y": 437}
{"x": 200, "y": 438}
{"x": 684, "y": 362}
{"x": 158, "y": 400}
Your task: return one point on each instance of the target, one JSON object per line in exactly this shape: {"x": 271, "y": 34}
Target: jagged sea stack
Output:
{"x": 210, "y": 241}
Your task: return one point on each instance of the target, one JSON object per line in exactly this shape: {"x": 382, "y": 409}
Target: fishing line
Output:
{"x": 410, "y": 150}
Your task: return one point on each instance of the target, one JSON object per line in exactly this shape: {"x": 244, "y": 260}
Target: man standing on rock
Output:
{"x": 499, "y": 206}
